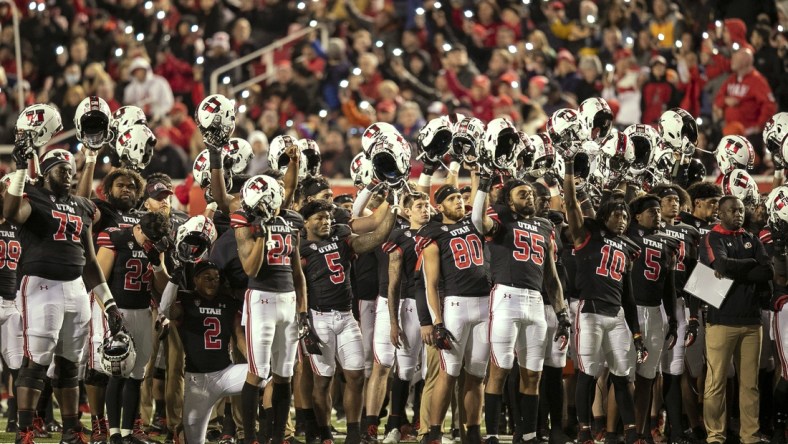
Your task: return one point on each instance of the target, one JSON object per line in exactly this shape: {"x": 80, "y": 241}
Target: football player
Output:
{"x": 327, "y": 252}
{"x": 607, "y": 323}
{"x": 133, "y": 262}
{"x": 523, "y": 256}
{"x": 55, "y": 233}
{"x": 10, "y": 318}
{"x": 268, "y": 250}
{"x": 453, "y": 252}
{"x": 208, "y": 321}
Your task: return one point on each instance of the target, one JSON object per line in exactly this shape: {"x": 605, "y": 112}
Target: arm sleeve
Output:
{"x": 477, "y": 215}
{"x": 629, "y": 306}
{"x": 168, "y": 298}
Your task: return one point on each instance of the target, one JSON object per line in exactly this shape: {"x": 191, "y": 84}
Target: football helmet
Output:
{"x": 118, "y": 355}
{"x": 92, "y": 122}
{"x": 453, "y": 119}
{"x": 468, "y": 139}
{"x": 361, "y": 170}
{"x": 126, "y": 116}
{"x": 734, "y": 152}
{"x": 775, "y": 138}
{"x": 500, "y": 147}
{"x": 311, "y": 151}
{"x": 135, "y": 145}
{"x": 194, "y": 238}
{"x": 544, "y": 155}
{"x": 646, "y": 141}
{"x": 615, "y": 156}
{"x": 372, "y": 132}
{"x": 262, "y": 196}
{"x": 525, "y": 156}
{"x": 565, "y": 129}
{"x": 598, "y": 117}
{"x": 390, "y": 158}
{"x": 739, "y": 183}
{"x": 435, "y": 139}
{"x": 278, "y": 158}
{"x": 202, "y": 171}
{"x": 215, "y": 118}
{"x": 777, "y": 205}
{"x": 237, "y": 154}
{"x": 39, "y": 122}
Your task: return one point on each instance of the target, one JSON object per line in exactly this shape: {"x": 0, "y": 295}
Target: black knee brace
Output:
{"x": 31, "y": 375}
{"x": 96, "y": 378}
{"x": 66, "y": 374}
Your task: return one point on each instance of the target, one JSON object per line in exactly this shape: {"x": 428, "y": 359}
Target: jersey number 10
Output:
{"x": 612, "y": 265}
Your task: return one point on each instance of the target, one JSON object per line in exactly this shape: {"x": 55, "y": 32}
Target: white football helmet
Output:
{"x": 390, "y": 158}
{"x": 215, "y": 119}
{"x": 500, "y": 147}
{"x": 194, "y": 239}
{"x": 544, "y": 155}
{"x": 671, "y": 130}
{"x": 435, "y": 139}
{"x": 372, "y": 132}
{"x": 775, "y": 138}
{"x": 92, "y": 122}
{"x": 278, "y": 158}
{"x": 739, "y": 183}
{"x": 615, "y": 156}
{"x": 126, "y": 116}
{"x": 237, "y": 154}
{"x": 598, "y": 117}
{"x": 525, "y": 155}
{"x": 734, "y": 152}
{"x": 468, "y": 139}
{"x": 202, "y": 171}
{"x": 311, "y": 150}
{"x": 646, "y": 141}
{"x": 566, "y": 128}
{"x": 118, "y": 355}
{"x": 453, "y": 119}
{"x": 135, "y": 145}
{"x": 262, "y": 196}
{"x": 39, "y": 122}
{"x": 361, "y": 170}
{"x": 777, "y": 205}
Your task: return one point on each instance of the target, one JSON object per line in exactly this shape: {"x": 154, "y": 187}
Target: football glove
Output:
{"x": 114, "y": 320}
{"x": 673, "y": 333}
{"x": 692, "y": 332}
{"x": 442, "y": 337}
{"x": 640, "y": 348}
{"x": 562, "y": 332}
{"x": 23, "y": 149}
{"x": 308, "y": 336}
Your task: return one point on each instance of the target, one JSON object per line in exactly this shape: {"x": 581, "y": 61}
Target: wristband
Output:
{"x": 215, "y": 158}
{"x": 636, "y": 336}
{"x": 17, "y": 185}
{"x": 90, "y": 159}
{"x": 101, "y": 291}
{"x": 424, "y": 180}
{"x": 485, "y": 183}
{"x": 454, "y": 167}
{"x": 693, "y": 318}
{"x": 212, "y": 206}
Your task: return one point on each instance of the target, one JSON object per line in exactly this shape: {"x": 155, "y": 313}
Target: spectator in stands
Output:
{"x": 625, "y": 88}
{"x": 370, "y": 76}
{"x": 147, "y": 90}
{"x": 410, "y": 120}
{"x": 666, "y": 25}
{"x": 456, "y": 58}
{"x": 217, "y": 56}
{"x": 658, "y": 94}
{"x": 745, "y": 96}
{"x": 590, "y": 85}
{"x": 259, "y": 162}
{"x": 566, "y": 72}
{"x": 167, "y": 158}
{"x": 183, "y": 122}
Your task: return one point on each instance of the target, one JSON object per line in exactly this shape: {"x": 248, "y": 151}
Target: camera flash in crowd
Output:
{"x": 140, "y": 37}
{"x": 379, "y": 44}
{"x": 245, "y": 94}
{"x": 313, "y": 23}
{"x": 242, "y": 109}
{"x": 660, "y": 36}
{"x": 609, "y": 67}
{"x": 780, "y": 28}
{"x": 357, "y": 71}
{"x": 301, "y": 6}
{"x": 226, "y": 80}
{"x": 59, "y": 50}
{"x": 735, "y": 46}
{"x": 679, "y": 44}
{"x": 160, "y": 15}
{"x": 529, "y": 46}
{"x": 468, "y": 13}
{"x": 148, "y": 5}
{"x": 323, "y": 114}
{"x": 718, "y": 23}
{"x": 32, "y": 6}
{"x": 446, "y": 47}
{"x": 343, "y": 84}
{"x": 705, "y": 35}
{"x": 590, "y": 19}
{"x": 200, "y": 60}
{"x": 419, "y": 11}
{"x": 119, "y": 52}
{"x": 289, "y": 123}
{"x": 512, "y": 49}
{"x": 195, "y": 28}
{"x": 630, "y": 41}
{"x": 364, "y": 105}
{"x": 397, "y": 52}
{"x": 437, "y": 5}
{"x": 515, "y": 84}
{"x": 128, "y": 29}
{"x": 526, "y": 2}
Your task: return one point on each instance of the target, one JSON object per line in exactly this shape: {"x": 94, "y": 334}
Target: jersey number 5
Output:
{"x": 614, "y": 270}
{"x": 335, "y": 267}
{"x": 211, "y": 335}
{"x": 653, "y": 268}
{"x": 525, "y": 250}
{"x": 467, "y": 251}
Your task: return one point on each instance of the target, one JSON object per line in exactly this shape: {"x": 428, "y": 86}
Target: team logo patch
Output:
{"x": 52, "y": 198}
{"x": 313, "y": 246}
{"x": 748, "y": 245}
{"x": 444, "y": 228}
{"x": 131, "y": 245}
{"x": 408, "y": 234}
{"x": 196, "y": 302}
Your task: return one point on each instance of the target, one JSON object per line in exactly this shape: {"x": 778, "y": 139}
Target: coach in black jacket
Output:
{"x": 734, "y": 330}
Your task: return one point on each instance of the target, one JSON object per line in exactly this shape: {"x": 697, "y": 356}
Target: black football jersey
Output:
{"x": 52, "y": 236}
{"x": 602, "y": 261}
{"x": 687, "y": 253}
{"x": 650, "y": 268}
{"x": 131, "y": 280}
{"x": 326, "y": 266}
{"x": 701, "y": 225}
{"x": 383, "y": 261}
{"x": 276, "y": 273}
{"x": 406, "y": 242}
{"x": 461, "y": 249}
{"x": 364, "y": 276}
{"x": 224, "y": 254}
{"x": 10, "y": 251}
{"x": 206, "y": 328}
{"x": 114, "y": 218}
{"x": 519, "y": 248}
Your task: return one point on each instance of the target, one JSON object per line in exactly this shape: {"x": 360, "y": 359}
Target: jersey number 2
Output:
{"x": 211, "y": 335}
{"x": 335, "y": 267}
{"x": 614, "y": 270}
{"x": 9, "y": 254}
{"x": 136, "y": 276}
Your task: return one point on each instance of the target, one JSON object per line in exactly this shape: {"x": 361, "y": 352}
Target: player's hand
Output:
{"x": 692, "y": 332}
{"x": 426, "y": 334}
{"x": 308, "y": 336}
{"x": 673, "y": 333}
{"x": 90, "y": 156}
{"x": 259, "y": 230}
{"x": 23, "y": 149}
{"x": 571, "y": 149}
{"x": 397, "y": 338}
{"x": 178, "y": 277}
{"x": 640, "y": 349}
{"x": 442, "y": 337}
{"x": 163, "y": 327}
{"x": 562, "y": 332}
{"x": 294, "y": 153}
{"x": 114, "y": 320}
{"x": 429, "y": 167}
{"x": 152, "y": 253}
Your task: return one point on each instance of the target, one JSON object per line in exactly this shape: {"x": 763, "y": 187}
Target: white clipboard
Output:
{"x": 703, "y": 284}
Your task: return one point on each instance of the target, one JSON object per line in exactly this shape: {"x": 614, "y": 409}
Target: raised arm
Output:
{"x": 573, "y": 212}
{"x": 366, "y": 224}
{"x": 291, "y": 176}
{"x": 369, "y": 241}
{"x": 251, "y": 248}
{"x": 15, "y": 208}
{"x": 218, "y": 186}
{"x": 85, "y": 185}
{"x": 480, "y": 190}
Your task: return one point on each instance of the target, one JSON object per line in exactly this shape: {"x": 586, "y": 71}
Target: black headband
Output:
{"x": 315, "y": 187}
{"x": 668, "y": 192}
{"x": 445, "y": 192}
{"x": 644, "y": 204}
